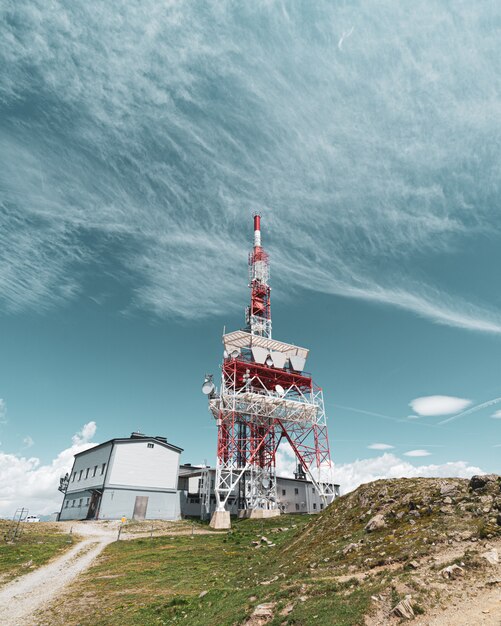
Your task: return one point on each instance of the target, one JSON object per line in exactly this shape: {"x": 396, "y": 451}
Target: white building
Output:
{"x": 196, "y": 485}
{"x": 136, "y": 477}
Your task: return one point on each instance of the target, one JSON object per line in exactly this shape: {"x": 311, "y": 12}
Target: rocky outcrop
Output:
{"x": 485, "y": 481}
{"x": 376, "y": 523}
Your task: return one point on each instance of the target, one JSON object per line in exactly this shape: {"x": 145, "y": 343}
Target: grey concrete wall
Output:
{"x": 117, "y": 503}
{"x": 143, "y": 464}
{"x": 306, "y": 500}
{"x": 75, "y": 505}
{"x": 88, "y": 469}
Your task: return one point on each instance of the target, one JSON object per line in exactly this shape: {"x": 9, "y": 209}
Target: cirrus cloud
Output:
{"x": 380, "y": 446}
{"x": 144, "y": 142}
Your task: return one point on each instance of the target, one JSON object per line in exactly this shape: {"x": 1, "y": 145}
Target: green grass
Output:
{"x": 158, "y": 581}
{"x": 37, "y": 544}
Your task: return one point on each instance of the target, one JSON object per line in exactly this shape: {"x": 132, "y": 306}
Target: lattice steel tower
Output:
{"x": 265, "y": 397}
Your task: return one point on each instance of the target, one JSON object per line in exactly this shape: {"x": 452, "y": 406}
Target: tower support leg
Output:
{"x": 220, "y": 520}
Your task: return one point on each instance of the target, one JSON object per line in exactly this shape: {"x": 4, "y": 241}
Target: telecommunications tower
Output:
{"x": 265, "y": 398}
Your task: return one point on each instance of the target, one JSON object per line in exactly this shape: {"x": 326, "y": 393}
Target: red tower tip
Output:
{"x": 257, "y": 222}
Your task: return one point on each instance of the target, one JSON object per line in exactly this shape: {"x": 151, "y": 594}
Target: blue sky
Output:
{"x": 135, "y": 144}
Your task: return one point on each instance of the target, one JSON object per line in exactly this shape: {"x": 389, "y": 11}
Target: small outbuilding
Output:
{"x": 134, "y": 477}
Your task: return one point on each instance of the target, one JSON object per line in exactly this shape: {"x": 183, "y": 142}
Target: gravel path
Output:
{"x": 22, "y": 597}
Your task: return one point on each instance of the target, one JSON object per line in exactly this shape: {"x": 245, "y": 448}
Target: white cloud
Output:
{"x": 350, "y": 475}
{"x": 438, "y": 405}
{"x": 380, "y": 446}
{"x": 27, "y": 482}
{"x": 413, "y": 417}
{"x": 85, "y": 435}
{"x": 496, "y": 415}
{"x": 417, "y": 453}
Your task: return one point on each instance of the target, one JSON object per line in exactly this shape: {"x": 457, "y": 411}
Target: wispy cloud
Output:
{"x": 139, "y": 151}
{"x": 496, "y": 415}
{"x": 474, "y": 409}
{"x": 28, "y": 442}
{"x": 380, "y": 446}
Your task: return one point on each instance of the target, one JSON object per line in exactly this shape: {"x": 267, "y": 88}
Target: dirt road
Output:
{"x": 25, "y": 595}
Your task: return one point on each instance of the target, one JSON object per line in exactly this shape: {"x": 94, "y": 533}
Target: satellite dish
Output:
{"x": 266, "y": 483}
{"x": 208, "y": 386}
{"x": 225, "y": 354}
{"x": 234, "y": 353}
{"x": 269, "y": 362}
{"x": 280, "y": 390}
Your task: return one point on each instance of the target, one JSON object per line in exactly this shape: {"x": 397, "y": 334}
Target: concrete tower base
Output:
{"x": 220, "y": 520}
{"x": 258, "y": 513}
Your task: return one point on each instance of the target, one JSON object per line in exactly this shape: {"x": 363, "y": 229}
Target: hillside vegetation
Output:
{"x": 391, "y": 550}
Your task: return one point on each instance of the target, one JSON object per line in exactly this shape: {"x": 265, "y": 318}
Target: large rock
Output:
{"x": 484, "y": 480}
{"x": 491, "y": 556}
{"x": 404, "y": 609}
{"x": 376, "y": 523}
{"x": 453, "y": 571}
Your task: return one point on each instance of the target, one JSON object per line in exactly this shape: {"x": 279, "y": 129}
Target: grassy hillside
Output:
{"x": 324, "y": 569}
{"x": 36, "y": 545}
{"x": 420, "y": 515}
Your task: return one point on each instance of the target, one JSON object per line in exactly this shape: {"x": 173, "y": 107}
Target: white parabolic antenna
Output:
{"x": 208, "y": 387}
{"x": 280, "y": 390}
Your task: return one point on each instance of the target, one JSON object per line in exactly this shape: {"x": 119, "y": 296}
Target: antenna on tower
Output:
{"x": 265, "y": 396}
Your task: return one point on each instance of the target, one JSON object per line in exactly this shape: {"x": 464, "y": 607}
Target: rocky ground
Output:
{"x": 429, "y": 548}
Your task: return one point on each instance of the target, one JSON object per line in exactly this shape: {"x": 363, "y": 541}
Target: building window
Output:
{"x": 314, "y": 505}
{"x": 297, "y": 507}
{"x": 103, "y": 467}
{"x": 80, "y": 475}
{"x": 283, "y": 492}
{"x": 321, "y": 506}
{"x": 95, "y": 471}
{"x": 73, "y": 503}
{"x": 313, "y": 490}
{"x": 74, "y": 476}
{"x": 80, "y": 502}
{"x": 67, "y": 504}
{"x": 296, "y": 491}
{"x": 151, "y": 445}
{"x": 88, "y": 502}
{"x": 87, "y": 473}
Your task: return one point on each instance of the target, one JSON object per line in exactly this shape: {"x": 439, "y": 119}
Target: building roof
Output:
{"x": 135, "y": 437}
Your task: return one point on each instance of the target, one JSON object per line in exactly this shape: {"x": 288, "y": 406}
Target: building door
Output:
{"x": 140, "y": 507}
{"x": 95, "y": 501}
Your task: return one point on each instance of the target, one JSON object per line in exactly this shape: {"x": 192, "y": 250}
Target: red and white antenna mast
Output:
{"x": 259, "y": 312}
{"x": 265, "y": 397}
